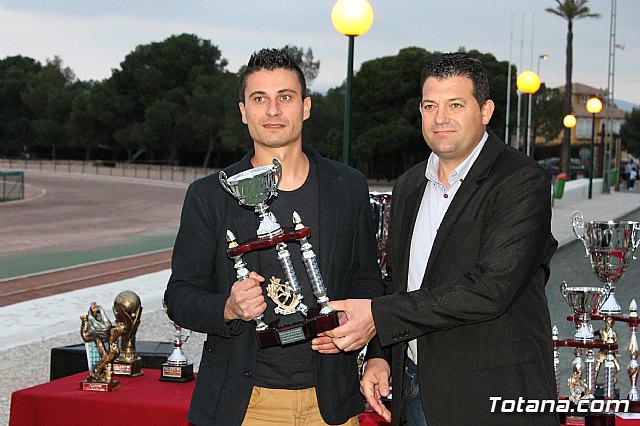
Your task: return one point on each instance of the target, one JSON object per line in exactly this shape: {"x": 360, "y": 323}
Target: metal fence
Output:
{"x": 110, "y": 168}
{"x": 12, "y": 186}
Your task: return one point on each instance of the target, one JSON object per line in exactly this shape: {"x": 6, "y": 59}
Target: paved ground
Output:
{"x": 72, "y": 218}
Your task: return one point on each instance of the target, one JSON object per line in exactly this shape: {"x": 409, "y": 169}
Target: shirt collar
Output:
{"x": 459, "y": 172}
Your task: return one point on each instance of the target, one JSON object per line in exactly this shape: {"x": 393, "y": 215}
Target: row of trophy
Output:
{"x": 111, "y": 349}
{"x": 609, "y": 245}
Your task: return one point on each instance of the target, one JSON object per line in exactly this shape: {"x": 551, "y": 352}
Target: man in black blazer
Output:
{"x": 238, "y": 382}
{"x": 469, "y": 246}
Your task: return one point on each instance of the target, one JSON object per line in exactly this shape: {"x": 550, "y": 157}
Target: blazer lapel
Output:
{"x": 479, "y": 171}
{"x": 329, "y": 202}
{"x": 408, "y": 212}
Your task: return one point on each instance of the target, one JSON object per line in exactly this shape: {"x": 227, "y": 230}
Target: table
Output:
{"x": 139, "y": 400}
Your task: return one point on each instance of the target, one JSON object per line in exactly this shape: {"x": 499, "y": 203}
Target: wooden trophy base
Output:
{"x": 99, "y": 387}
{"x": 177, "y": 374}
{"x": 282, "y": 332}
{"x": 128, "y": 369}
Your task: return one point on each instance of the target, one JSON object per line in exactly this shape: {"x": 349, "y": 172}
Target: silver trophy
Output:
{"x": 254, "y": 188}
{"x": 609, "y": 245}
{"x": 381, "y": 209}
{"x": 177, "y": 368}
{"x": 584, "y": 302}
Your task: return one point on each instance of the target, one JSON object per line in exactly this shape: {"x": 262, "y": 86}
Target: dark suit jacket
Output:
{"x": 480, "y": 316}
{"x": 202, "y": 276}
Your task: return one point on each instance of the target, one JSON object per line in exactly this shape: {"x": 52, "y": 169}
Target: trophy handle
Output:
{"x": 636, "y": 235}
{"x": 604, "y": 295}
{"x": 222, "y": 177}
{"x": 563, "y": 290}
{"x": 577, "y": 223}
{"x": 277, "y": 168}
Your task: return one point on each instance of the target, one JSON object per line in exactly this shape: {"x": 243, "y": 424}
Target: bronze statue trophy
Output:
{"x": 177, "y": 368}
{"x": 101, "y": 343}
{"x": 253, "y": 188}
{"x": 128, "y": 311}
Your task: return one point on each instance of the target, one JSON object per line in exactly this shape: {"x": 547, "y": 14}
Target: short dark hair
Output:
{"x": 271, "y": 59}
{"x": 459, "y": 64}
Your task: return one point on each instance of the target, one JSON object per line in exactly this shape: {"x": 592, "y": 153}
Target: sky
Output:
{"x": 93, "y": 36}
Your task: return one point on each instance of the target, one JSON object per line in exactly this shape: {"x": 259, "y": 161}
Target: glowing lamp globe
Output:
{"x": 528, "y": 82}
{"x": 352, "y": 17}
{"x": 594, "y": 105}
{"x": 569, "y": 121}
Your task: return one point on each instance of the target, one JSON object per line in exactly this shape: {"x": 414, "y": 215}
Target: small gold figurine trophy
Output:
{"x": 101, "y": 343}
{"x": 128, "y": 311}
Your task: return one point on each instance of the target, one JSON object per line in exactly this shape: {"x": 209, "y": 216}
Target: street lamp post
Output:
{"x": 351, "y": 18}
{"x": 594, "y": 106}
{"x": 528, "y": 82}
{"x": 544, "y": 58}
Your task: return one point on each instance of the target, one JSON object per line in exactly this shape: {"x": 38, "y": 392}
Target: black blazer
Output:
{"x": 481, "y": 315}
{"x": 202, "y": 276}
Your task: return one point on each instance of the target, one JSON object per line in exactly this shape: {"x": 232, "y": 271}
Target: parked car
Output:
{"x": 576, "y": 168}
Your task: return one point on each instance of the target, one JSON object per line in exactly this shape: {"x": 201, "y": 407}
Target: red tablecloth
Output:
{"x": 141, "y": 400}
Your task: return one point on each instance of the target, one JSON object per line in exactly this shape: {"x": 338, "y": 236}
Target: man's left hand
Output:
{"x": 359, "y": 328}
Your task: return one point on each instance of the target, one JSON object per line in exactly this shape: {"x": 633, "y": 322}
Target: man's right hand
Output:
{"x": 375, "y": 385}
{"x": 246, "y": 300}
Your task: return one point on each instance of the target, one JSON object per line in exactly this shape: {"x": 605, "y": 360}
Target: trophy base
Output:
{"x": 278, "y": 334}
{"x": 128, "y": 369}
{"x": 589, "y": 420}
{"x": 176, "y": 373}
{"x": 99, "y": 387}
{"x": 611, "y": 306}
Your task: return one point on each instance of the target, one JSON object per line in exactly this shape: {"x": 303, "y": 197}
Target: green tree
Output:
{"x": 547, "y": 107}
{"x": 630, "y": 131}
{"x": 16, "y": 130}
{"x": 569, "y": 10}
{"x": 310, "y": 69}
{"x": 156, "y": 79}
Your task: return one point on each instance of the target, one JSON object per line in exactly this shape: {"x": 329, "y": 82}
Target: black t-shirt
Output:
{"x": 290, "y": 366}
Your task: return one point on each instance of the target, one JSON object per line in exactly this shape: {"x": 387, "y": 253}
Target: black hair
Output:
{"x": 271, "y": 59}
{"x": 459, "y": 65}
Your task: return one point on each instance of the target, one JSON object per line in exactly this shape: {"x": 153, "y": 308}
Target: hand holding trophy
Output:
{"x": 254, "y": 188}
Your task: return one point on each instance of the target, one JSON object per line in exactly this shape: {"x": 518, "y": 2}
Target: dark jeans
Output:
{"x": 411, "y": 398}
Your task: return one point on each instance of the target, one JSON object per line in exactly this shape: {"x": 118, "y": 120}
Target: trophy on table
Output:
{"x": 101, "y": 345}
{"x": 128, "y": 310}
{"x": 297, "y": 321}
{"x": 609, "y": 245}
{"x": 177, "y": 368}
{"x": 584, "y": 302}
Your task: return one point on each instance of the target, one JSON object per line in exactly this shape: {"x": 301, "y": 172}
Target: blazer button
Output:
{"x": 248, "y": 373}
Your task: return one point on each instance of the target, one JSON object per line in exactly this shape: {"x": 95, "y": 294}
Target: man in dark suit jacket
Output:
{"x": 238, "y": 382}
{"x": 469, "y": 246}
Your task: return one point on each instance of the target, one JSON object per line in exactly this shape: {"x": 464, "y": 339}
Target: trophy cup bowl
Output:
{"x": 253, "y": 188}
{"x": 584, "y": 302}
{"x": 609, "y": 245}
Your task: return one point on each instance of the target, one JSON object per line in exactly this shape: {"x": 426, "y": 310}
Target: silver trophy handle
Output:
{"x": 278, "y": 170}
{"x": 636, "y": 236}
{"x": 577, "y": 223}
{"x": 604, "y": 295}
{"x": 563, "y": 290}
{"x": 222, "y": 177}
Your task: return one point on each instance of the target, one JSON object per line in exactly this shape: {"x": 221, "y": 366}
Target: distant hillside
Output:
{"x": 626, "y": 106}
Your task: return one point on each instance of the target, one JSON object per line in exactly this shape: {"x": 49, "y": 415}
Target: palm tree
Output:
{"x": 569, "y": 10}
